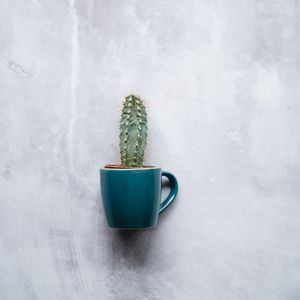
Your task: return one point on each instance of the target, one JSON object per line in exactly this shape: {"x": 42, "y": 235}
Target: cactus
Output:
{"x": 133, "y": 132}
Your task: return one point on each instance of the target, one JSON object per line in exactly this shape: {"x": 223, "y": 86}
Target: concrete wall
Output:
{"x": 221, "y": 83}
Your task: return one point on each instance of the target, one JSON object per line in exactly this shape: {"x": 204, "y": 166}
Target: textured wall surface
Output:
{"x": 221, "y": 80}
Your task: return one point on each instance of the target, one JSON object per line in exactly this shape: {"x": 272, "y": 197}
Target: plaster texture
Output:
{"x": 221, "y": 84}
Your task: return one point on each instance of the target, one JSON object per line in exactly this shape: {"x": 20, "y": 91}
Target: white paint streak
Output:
{"x": 73, "y": 83}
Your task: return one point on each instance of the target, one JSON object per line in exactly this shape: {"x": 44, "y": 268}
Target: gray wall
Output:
{"x": 221, "y": 83}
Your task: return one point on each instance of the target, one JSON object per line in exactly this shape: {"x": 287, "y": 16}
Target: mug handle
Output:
{"x": 174, "y": 189}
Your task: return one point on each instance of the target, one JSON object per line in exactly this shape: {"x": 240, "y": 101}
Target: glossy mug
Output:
{"x": 132, "y": 197}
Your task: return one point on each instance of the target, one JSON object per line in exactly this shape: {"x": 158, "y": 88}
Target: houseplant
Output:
{"x": 130, "y": 191}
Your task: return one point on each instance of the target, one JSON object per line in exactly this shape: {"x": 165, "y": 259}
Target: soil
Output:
{"x": 112, "y": 166}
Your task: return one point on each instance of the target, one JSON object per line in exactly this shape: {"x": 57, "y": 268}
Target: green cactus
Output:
{"x": 133, "y": 132}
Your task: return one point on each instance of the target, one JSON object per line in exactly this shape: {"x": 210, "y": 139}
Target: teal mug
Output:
{"x": 132, "y": 197}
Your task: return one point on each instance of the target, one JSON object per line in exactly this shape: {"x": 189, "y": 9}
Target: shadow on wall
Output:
{"x": 131, "y": 247}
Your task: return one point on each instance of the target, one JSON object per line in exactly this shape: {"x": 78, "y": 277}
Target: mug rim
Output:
{"x": 130, "y": 169}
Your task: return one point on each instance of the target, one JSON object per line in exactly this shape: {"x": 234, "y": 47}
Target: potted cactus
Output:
{"x": 131, "y": 192}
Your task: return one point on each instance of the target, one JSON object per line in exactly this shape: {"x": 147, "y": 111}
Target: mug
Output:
{"x": 132, "y": 197}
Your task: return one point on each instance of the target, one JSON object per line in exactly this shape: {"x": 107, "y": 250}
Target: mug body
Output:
{"x": 131, "y": 197}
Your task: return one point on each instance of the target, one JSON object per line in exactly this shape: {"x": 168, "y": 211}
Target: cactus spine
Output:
{"x": 133, "y": 132}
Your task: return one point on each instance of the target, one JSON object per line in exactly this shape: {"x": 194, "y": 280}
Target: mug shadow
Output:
{"x": 132, "y": 247}
{"x": 131, "y": 253}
